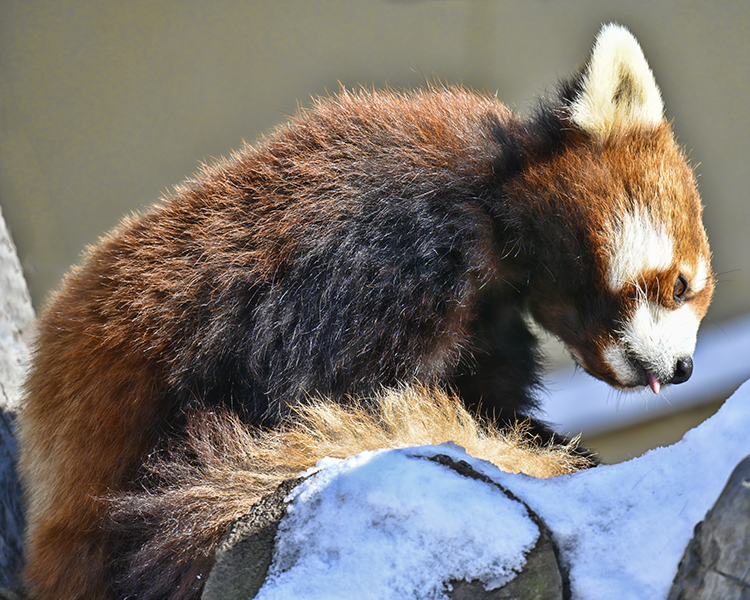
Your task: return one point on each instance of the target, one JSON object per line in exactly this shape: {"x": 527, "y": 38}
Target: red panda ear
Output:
{"x": 618, "y": 89}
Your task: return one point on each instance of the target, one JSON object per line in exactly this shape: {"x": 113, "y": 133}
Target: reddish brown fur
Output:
{"x": 97, "y": 403}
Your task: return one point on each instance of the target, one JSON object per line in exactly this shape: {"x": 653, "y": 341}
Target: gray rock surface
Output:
{"x": 542, "y": 577}
{"x": 716, "y": 564}
{"x": 16, "y": 321}
{"x": 16, "y": 325}
{"x": 243, "y": 558}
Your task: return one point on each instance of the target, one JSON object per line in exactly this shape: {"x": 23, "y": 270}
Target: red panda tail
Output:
{"x": 194, "y": 490}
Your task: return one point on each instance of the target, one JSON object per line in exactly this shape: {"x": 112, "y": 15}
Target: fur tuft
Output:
{"x": 414, "y": 415}
{"x": 195, "y": 490}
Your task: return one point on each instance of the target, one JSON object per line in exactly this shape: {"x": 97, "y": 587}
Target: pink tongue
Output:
{"x": 654, "y": 383}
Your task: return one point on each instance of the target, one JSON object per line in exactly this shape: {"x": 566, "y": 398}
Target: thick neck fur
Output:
{"x": 539, "y": 238}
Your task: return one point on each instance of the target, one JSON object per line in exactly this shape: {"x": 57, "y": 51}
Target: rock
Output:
{"x": 16, "y": 324}
{"x": 11, "y": 513}
{"x": 716, "y": 563}
{"x": 541, "y": 577}
{"x": 245, "y": 555}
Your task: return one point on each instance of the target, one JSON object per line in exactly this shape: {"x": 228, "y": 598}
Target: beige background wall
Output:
{"x": 106, "y": 104}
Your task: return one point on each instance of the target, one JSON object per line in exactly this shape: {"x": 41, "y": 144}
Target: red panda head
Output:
{"x": 628, "y": 276}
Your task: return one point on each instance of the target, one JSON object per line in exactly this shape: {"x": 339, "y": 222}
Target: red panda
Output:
{"x": 378, "y": 239}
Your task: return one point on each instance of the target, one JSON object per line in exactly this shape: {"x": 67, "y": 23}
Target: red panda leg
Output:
{"x": 84, "y": 435}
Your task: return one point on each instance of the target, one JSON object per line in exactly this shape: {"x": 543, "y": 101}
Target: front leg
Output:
{"x": 500, "y": 378}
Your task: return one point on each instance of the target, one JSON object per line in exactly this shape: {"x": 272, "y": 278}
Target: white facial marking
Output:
{"x": 619, "y": 89}
{"x": 701, "y": 276}
{"x": 616, "y": 357}
{"x": 638, "y": 245}
{"x": 659, "y": 337}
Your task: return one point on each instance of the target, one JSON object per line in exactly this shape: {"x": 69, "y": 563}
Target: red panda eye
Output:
{"x": 680, "y": 287}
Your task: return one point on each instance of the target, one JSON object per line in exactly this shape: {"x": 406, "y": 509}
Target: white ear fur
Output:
{"x": 619, "y": 90}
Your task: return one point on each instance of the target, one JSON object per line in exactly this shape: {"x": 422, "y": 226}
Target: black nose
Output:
{"x": 683, "y": 370}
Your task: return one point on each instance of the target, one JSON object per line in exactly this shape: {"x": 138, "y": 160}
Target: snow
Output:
{"x": 385, "y": 524}
{"x": 389, "y": 524}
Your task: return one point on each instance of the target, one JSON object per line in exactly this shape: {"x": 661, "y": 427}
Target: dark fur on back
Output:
{"x": 364, "y": 232}
{"x": 367, "y": 243}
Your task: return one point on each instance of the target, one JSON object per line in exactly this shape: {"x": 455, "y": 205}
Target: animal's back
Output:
{"x": 284, "y": 271}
